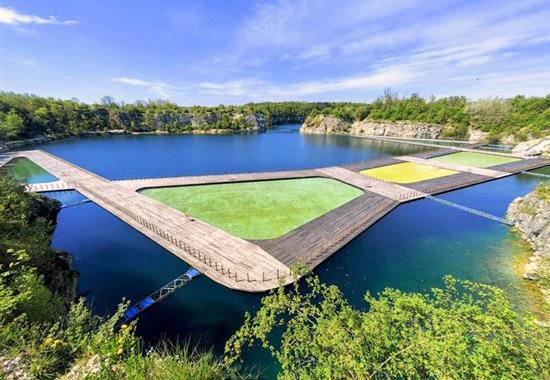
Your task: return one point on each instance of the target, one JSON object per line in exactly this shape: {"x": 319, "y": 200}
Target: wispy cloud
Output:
{"x": 11, "y": 17}
{"x": 260, "y": 89}
{"x": 300, "y": 49}
{"x": 24, "y": 62}
{"x": 158, "y": 88}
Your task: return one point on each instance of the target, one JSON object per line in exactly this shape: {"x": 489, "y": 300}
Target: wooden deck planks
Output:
{"x": 386, "y": 189}
{"x": 139, "y": 184}
{"x": 369, "y": 164}
{"x": 448, "y": 183}
{"x": 317, "y": 240}
{"x": 523, "y": 165}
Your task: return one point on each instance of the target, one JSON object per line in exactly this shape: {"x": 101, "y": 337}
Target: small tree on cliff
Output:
{"x": 11, "y": 125}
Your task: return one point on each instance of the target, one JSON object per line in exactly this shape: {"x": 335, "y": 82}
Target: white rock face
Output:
{"x": 330, "y": 125}
{"x": 477, "y": 135}
{"x": 324, "y": 125}
{"x": 534, "y": 147}
{"x": 531, "y": 215}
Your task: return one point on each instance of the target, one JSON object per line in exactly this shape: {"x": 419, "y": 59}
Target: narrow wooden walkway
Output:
{"x": 523, "y": 165}
{"x": 139, "y": 184}
{"x": 50, "y": 186}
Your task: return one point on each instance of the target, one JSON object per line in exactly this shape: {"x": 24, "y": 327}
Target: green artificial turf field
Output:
{"x": 406, "y": 172}
{"x": 261, "y": 209}
{"x": 478, "y": 160}
{"x": 24, "y": 170}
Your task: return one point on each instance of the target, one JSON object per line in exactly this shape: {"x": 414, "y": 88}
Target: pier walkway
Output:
{"x": 541, "y": 175}
{"x": 260, "y": 265}
{"x": 470, "y": 210}
{"x": 159, "y": 295}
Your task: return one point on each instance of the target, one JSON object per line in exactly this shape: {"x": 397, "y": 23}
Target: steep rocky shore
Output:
{"x": 210, "y": 120}
{"x": 331, "y": 125}
{"x": 531, "y": 215}
{"x": 534, "y": 147}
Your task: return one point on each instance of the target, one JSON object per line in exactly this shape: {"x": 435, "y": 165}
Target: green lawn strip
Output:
{"x": 26, "y": 171}
{"x": 479, "y": 160}
{"x": 261, "y": 209}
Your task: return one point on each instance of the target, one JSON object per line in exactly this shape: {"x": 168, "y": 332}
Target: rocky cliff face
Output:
{"x": 183, "y": 121}
{"x": 534, "y": 147}
{"x": 532, "y": 216}
{"x": 329, "y": 125}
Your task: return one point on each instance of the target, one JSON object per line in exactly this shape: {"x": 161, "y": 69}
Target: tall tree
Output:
{"x": 11, "y": 125}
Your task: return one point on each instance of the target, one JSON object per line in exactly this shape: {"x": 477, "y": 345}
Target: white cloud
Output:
{"x": 315, "y": 53}
{"x": 158, "y": 88}
{"x": 242, "y": 87}
{"x": 24, "y": 62}
{"x": 12, "y": 17}
{"x": 261, "y": 89}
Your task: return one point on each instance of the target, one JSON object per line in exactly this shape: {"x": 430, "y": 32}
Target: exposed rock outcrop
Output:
{"x": 324, "y": 125}
{"x": 14, "y": 368}
{"x": 531, "y": 215}
{"x": 476, "y": 135}
{"x": 534, "y": 147}
{"x": 330, "y": 125}
{"x": 172, "y": 121}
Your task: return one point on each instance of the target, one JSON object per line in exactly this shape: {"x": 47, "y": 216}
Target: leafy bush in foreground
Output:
{"x": 463, "y": 331}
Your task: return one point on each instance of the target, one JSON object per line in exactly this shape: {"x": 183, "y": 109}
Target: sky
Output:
{"x": 233, "y": 52}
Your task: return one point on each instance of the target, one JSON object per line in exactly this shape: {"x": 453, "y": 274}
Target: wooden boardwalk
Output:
{"x": 317, "y": 240}
{"x": 50, "y": 186}
{"x": 228, "y": 260}
{"x": 260, "y": 265}
{"x": 140, "y": 184}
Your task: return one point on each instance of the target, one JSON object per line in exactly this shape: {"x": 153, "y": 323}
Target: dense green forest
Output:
{"x": 27, "y": 116}
{"x": 463, "y": 330}
{"x": 520, "y": 116}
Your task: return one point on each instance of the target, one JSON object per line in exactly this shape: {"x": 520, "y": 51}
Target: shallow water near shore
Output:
{"x": 412, "y": 248}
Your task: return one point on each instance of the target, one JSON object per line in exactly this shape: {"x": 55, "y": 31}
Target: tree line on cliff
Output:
{"x": 26, "y": 116}
{"x": 520, "y": 116}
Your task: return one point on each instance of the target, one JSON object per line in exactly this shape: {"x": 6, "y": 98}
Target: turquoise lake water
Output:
{"x": 412, "y": 248}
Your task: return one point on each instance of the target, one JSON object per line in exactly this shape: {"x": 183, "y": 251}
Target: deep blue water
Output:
{"x": 122, "y": 157}
{"x": 412, "y": 248}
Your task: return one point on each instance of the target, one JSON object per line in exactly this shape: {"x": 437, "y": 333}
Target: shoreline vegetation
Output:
{"x": 493, "y": 120}
{"x": 26, "y": 117}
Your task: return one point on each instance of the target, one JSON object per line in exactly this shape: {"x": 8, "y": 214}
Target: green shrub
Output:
{"x": 464, "y": 330}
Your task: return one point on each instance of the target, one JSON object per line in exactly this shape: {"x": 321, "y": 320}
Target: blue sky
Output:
{"x": 231, "y": 52}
